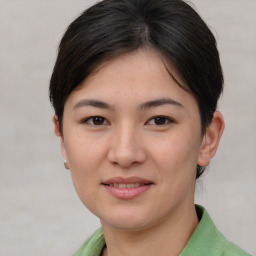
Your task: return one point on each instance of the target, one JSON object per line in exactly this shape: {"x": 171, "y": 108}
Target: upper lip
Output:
{"x": 127, "y": 180}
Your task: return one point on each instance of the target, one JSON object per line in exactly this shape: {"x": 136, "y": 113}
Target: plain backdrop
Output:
{"x": 40, "y": 213}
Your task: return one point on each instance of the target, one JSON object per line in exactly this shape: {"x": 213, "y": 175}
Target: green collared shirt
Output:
{"x": 206, "y": 240}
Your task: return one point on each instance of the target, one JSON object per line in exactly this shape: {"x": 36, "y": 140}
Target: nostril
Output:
{"x": 125, "y": 150}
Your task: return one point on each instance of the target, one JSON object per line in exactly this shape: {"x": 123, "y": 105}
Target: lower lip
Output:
{"x": 127, "y": 193}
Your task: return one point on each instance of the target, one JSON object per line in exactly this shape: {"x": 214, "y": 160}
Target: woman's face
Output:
{"x": 132, "y": 139}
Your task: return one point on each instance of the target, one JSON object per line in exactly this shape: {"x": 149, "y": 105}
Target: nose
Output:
{"x": 126, "y": 148}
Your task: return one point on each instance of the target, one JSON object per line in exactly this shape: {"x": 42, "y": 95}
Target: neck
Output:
{"x": 166, "y": 238}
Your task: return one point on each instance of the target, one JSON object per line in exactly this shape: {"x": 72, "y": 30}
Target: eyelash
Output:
{"x": 92, "y": 119}
{"x": 166, "y": 120}
{"x": 103, "y": 121}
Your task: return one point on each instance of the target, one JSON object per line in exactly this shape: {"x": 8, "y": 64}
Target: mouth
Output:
{"x": 124, "y": 185}
{"x": 127, "y": 188}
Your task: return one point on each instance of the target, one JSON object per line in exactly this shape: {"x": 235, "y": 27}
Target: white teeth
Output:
{"x": 133, "y": 185}
{"x": 122, "y": 185}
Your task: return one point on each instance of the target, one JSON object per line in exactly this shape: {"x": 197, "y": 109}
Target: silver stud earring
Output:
{"x": 66, "y": 164}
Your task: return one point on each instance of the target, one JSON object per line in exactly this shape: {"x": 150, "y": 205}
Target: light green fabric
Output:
{"x": 93, "y": 246}
{"x": 206, "y": 240}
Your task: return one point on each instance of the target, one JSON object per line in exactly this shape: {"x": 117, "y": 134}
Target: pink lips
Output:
{"x": 127, "y": 188}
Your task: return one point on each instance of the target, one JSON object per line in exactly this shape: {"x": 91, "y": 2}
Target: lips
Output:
{"x": 127, "y": 188}
{"x": 123, "y": 185}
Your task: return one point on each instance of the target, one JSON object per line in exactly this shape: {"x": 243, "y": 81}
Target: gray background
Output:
{"x": 40, "y": 213}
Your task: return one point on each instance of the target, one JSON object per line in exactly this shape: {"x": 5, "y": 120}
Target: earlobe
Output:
{"x": 211, "y": 139}
{"x": 66, "y": 164}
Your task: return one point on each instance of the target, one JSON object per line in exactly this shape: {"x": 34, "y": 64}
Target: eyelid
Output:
{"x": 168, "y": 119}
{"x": 89, "y": 121}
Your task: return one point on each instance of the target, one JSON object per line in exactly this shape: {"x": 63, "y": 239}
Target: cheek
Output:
{"x": 84, "y": 151}
{"x": 84, "y": 165}
{"x": 177, "y": 154}
{"x": 84, "y": 158}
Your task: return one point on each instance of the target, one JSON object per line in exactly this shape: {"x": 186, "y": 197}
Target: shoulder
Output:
{"x": 207, "y": 240}
{"x": 230, "y": 249}
{"x": 93, "y": 246}
{"x": 223, "y": 247}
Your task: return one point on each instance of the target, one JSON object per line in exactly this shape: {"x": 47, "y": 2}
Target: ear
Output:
{"x": 58, "y": 134}
{"x": 211, "y": 139}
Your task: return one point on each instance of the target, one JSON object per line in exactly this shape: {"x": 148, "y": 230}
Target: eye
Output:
{"x": 96, "y": 120}
{"x": 159, "y": 120}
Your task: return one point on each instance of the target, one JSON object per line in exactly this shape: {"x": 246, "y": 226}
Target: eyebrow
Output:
{"x": 93, "y": 103}
{"x": 160, "y": 102}
{"x": 145, "y": 105}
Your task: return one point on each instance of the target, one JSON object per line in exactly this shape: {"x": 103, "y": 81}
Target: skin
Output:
{"x": 129, "y": 141}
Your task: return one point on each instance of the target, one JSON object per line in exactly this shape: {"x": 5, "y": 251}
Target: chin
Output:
{"x": 132, "y": 221}
{"x": 126, "y": 225}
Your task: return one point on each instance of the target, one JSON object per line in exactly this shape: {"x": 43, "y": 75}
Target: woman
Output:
{"x": 135, "y": 90}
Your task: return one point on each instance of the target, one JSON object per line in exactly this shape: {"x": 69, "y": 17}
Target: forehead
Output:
{"x": 139, "y": 76}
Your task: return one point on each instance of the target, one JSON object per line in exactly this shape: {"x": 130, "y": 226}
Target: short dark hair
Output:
{"x": 113, "y": 27}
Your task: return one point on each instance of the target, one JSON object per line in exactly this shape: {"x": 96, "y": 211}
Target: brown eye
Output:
{"x": 159, "y": 120}
{"x": 96, "y": 120}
